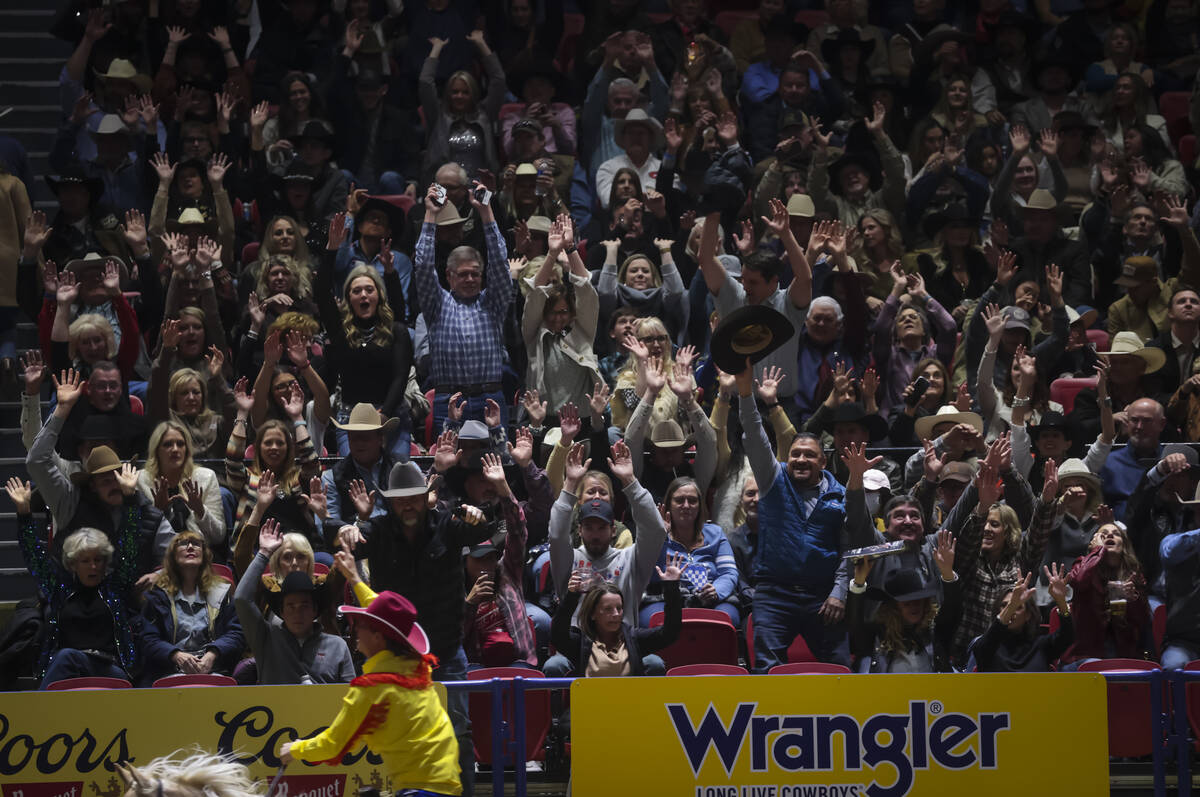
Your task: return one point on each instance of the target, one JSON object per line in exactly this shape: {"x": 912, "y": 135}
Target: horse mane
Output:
{"x": 199, "y": 773}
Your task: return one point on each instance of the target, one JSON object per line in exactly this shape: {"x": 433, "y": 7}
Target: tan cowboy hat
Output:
{"x": 526, "y": 170}
{"x": 189, "y": 217}
{"x": 639, "y": 117}
{"x": 947, "y": 413}
{"x": 667, "y": 434}
{"x": 1128, "y": 343}
{"x": 110, "y": 124}
{"x": 365, "y": 418}
{"x": 448, "y": 215}
{"x": 801, "y": 205}
{"x": 95, "y": 260}
{"x": 102, "y": 460}
{"x": 1074, "y": 471}
{"x": 1041, "y": 199}
{"x": 122, "y": 69}
{"x": 538, "y": 224}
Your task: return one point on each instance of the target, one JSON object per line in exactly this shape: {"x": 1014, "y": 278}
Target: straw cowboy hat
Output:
{"x": 1073, "y": 471}
{"x": 192, "y": 217}
{"x": 1129, "y": 344}
{"x": 122, "y": 69}
{"x": 395, "y": 617}
{"x": 365, "y": 418}
{"x": 639, "y": 117}
{"x": 947, "y": 413}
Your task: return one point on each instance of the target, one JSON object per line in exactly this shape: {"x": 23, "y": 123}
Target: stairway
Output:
{"x": 30, "y": 62}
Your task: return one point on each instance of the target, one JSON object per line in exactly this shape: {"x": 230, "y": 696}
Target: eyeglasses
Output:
{"x": 191, "y": 544}
{"x": 654, "y": 339}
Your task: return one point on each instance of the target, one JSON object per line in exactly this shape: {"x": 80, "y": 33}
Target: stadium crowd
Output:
{"x": 673, "y": 314}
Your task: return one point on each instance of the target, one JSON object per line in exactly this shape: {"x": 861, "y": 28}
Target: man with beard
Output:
{"x": 415, "y": 550}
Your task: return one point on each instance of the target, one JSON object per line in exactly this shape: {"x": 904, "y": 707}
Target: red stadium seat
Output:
{"x": 190, "y": 680}
{"x": 807, "y": 668}
{"x": 1100, "y": 338}
{"x": 708, "y": 669}
{"x": 87, "y": 683}
{"x": 1064, "y": 391}
{"x": 537, "y": 713}
{"x": 250, "y": 252}
{"x": 702, "y": 642}
{"x": 136, "y": 406}
{"x": 223, "y": 571}
{"x": 812, "y": 18}
{"x": 1173, "y": 105}
{"x": 656, "y": 619}
{"x": 798, "y": 651}
{"x": 1130, "y": 730}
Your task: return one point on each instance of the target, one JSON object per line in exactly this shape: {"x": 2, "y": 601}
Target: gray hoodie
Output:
{"x": 630, "y": 568}
{"x": 322, "y": 658}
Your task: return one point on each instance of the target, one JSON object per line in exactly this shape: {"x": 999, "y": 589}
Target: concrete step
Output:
{"x": 32, "y": 137}
{"x": 10, "y": 551}
{"x": 46, "y": 115}
{"x": 13, "y": 68}
{"x": 11, "y": 444}
{"x": 34, "y": 18}
{"x": 16, "y": 584}
{"x": 31, "y": 44}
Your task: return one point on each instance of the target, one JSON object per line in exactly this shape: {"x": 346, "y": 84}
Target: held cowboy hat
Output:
{"x": 365, "y": 418}
{"x": 405, "y": 480}
{"x": 1126, "y": 344}
{"x": 1189, "y": 453}
{"x": 947, "y": 413}
{"x": 102, "y": 460}
{"x": 1074, "y": 471}
{"x": 749, "y": 331}
{"x": 639, "y": 117}
{"x": 395, "y": 617}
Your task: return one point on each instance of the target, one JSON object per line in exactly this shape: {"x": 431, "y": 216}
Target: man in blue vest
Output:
{"x": 802, "y": 535}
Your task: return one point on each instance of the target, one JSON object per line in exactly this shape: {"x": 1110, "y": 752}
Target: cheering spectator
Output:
{"x": 460, "y": 126}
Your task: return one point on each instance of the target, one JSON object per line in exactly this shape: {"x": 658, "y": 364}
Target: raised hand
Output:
{"x": 491, "y": 413}
{"x": 620, "y": 464}
{"x": 68, "y": 289}
{"x": 36, "y": 234}
{"x": 534, "y": 407}
{"x": 635, "y": 347}
{"x": 1049, "y": 143}
{"x": 337, "y": 232}
{"x": 653, "y": 376}
{"x": 259, "y": 115}
{"x": 455, "y": 406}
{"x": 681, "y": 382}
{"x": 1006, "y": 267}
{"x": 20, "y": 493}
{"x": 674, "y": 569}
{"x": 315, "y": 500}
{"x": 1056, "y": 575}
{"x": 878, "y": 116}
{"x": 1050, "y": 482}
{"x": 269, "y": 535}
{"x": 273, "y": 347}
{"x": 598, "y": 400}
{"x": 160, "y": 491}
{"x": 242, "y": 396}
{"x": 68, "y": 388}
{"x": 293, "y": 403}
{"x": 577, "y": 466}
{"x": 569, "y": 423}
{"x": 112, "y": 278}
{"x": 767, "y": 388}
{"x": 1139, "y": 174}
{"x": 727, "y": 128}
{"x": 745, "y": 241}
{"x": 522, "y": 450}
{"x": 943, "y": 554}
{"x": 1176, "y": 212}
{"x": 987, "y": 483}
{"x": 778, "y": 222}
{"x": 862, "y": 569}
{"x": 265, "y": 492}
{"x": 134, "y": 230}
{"x": 1054, "y": 284}
{"x": 962, "y": 401}
{"x": 33, "y": 369}
{"x": 363, "y": 500}
{"x": 218, "y": 164}
{"x": 214, "y": 361}
{"x": 493, "y": 471}
{"x": 933, "y": 463}
{"x": 192, "y": 496}
{"x": 673, "y": 134}
{"x": 127, "y": 477}
{"x": 855, "y": 458}
{"x": 297, "y": 349}
{"x": 994, "y": 320}
{"x": 447, "y": 454}
{"x": 163, "y": 167}
{"x": 1019, "y": 136}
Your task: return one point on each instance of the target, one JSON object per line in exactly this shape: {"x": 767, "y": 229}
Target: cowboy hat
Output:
{"x": 947, "y": 413}
{"x": 405, "y": 479}
{"x": 75, "y": 174}
{"x": 1128, "y": 343}
{"x": 903, "y": 585}
{"x": 537, "y": 66}
{"x": 95, "y": 260}
{"x": 639, "y": 117}
{"x": 192, "y": 217}
{"x": 1051, "y": 420}
{"x": 110, "y": 125}
{"x": 667, "y": 434}
{"x": 845, "y": 37}
{"x": 1137, "y": 270}
{"x": 394, "y": 215}
{"x": 1074, "y": 471}
{"x": 749, "y": 331}
{"x": 365, "y": 418}
{"x": 122, "y": 69}
{"x": 102, "y": 460}
{"x": 801, "y": 206}
{"x": 957, "y": 471}
{"x": 863, "y": 160}
{"x": 1041, "y": 199}
{"x": 298, "y": 581}
{"x": 933, "y": 41}
{"x": 854, "y": 412}
{"x": 447, "y": 216}
{"x": 953, "y": 213}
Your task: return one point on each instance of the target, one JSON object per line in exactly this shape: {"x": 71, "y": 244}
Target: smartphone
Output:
{"x": 482, "y": 195}
{"x": 920, "y": 387}
{"x": 439, "y": 195}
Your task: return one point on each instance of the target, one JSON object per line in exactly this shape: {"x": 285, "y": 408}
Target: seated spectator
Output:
{"x": 296, "y": 651}
{"x": 605, "y": 643}
{"x": 199, "y": 188}
{"x": 90, "y": 286}
{"x": 183, "y": 396}
{"x": 939, "y": 392}
{"x": 88, "y": 633}
{"x": 1112, "y": 615}
{"x": 1145, "y": 421}
{"x": 496, "y": 625}
{"x": 284, "y": 237}
{"x": 639, "y": 283}
{"x": 705, "y": 555}
{"x": 879, "y": 242}
{"x": 1014, "y": 641}
{"x": 189, "y": 624}
{"x": 314, "y": 145}
{"x": 370, "y": 224}
{"x": 187, "y": 493}
{"x": 1120, "y": 44}
{"x": 282, "y": 285}
{"x": 459, "y": 125}
{"x": 352, "y": 485}
{"x": 296, "y": 193}
{"x": 551, "y": 179}
{"x": 911, "y": 632}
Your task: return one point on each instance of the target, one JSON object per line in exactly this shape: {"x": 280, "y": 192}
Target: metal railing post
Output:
{"x": 499, "y": 735}
{"x": 518, "y": 698}
{"x": 1156, "y": 728}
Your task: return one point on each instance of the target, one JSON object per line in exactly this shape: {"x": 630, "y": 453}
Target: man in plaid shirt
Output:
{"x": 466, "y": 323}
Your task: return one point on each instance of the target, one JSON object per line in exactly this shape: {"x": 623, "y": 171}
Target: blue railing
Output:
{"x": 1171, "y": 729}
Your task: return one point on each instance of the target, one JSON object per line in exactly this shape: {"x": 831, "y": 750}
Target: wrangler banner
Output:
{"x": 63, "y": 744}
{"x": 840, "y": 735}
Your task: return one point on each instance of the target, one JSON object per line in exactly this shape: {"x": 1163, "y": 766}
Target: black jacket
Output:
{"x": 573, "y": 643}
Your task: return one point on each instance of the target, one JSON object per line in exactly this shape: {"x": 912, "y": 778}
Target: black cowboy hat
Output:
{"x": 74, "y": 174}
{"x": 845, "y": 37}
{"x": 726, "y": 182}
{"x": 315, "y": 128}
{"x": 869, "y": 163}
{"x": 924, "y": 50}
{"x": 299, "y": 581}
{"x": 854, "y": 412}
{"x": 296, "y": 172}
{"x": 938, "y": 218}
{"x": 749, "y": 331}
{"x": 537, "y": 66}
{"x": 1055, "y": 58}
{"x": 1052, "y": 419}
{"x": 903, "y": 585}
{"x": 393, "y": 212}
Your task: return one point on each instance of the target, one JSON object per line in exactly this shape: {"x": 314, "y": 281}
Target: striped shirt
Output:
{"x": 466, "y": 336}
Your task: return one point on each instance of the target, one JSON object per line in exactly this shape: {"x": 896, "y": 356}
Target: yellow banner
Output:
{"x": 63, "y": 744}
{"x": 840, "y": 736}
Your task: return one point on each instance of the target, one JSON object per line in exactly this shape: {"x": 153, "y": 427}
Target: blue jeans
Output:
{"x": 473, "y": 411}
{"x": 72, "y": 663}
{"x": 781, "y": 613}
{"x": 541, "y": 625}
{"x": 399, "y": 445}
{"x": 1176, "y": 655}
{"x": 454, "y": 668}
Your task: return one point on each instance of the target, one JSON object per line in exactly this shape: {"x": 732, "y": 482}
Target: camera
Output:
{"x": 482, "y": 195}
{"x": 439, "y": 195}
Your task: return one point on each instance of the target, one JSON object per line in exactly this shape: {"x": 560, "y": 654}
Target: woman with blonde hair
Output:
{"x": 650, "y": 340}
{"x": 188, "y": 494}
{"x": 184, "y": 399}
{"x": 369, "y": 354}
{"x": 643, "y": 285}
{"x": 189, "y": 625}
{"x": 876, "y": 246}
{"x": 284, "y": 236}
{"x": 91, "y": 338}
{"x": 460, "y": 123}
